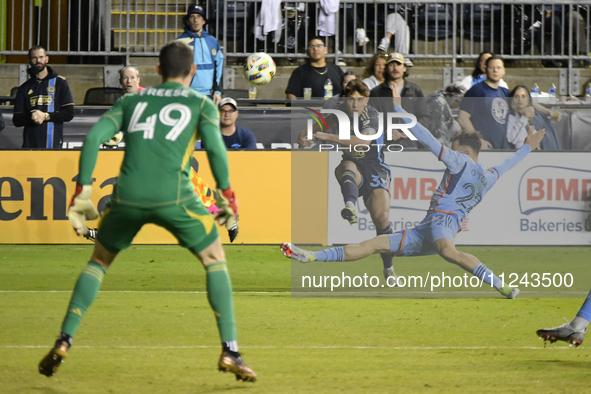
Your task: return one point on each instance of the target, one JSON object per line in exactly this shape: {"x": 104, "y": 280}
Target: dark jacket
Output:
{"x": 50, "y": 94}
{"x": 412, "y": 101}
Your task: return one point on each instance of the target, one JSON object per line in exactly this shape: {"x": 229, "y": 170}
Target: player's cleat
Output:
{"x": 233, "y": 363}
{"x": 564, "y": 333}
{"x": 233, "y": 232}
{"x": 348, "y": 213}
{"x": 293, "y": 252}
{"x": 91, "y": 234}
{"x": 510, "y": 292}
{"x": 389, "y": 273}
{"x": 50, "y": 363}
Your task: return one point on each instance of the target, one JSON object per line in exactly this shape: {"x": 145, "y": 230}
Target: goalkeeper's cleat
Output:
{"x": 389, "y": 273}
{"x": 509, "y": 292}
{"x": 51, "y": 362}
{"x": 91, "y": 234}
{"x": 233, "y": 232}
{"x": 293, "y": 252}
{"x": 232, "y": 362}
{"x": 565, "y": 333}
{"x": 348, "y": 213}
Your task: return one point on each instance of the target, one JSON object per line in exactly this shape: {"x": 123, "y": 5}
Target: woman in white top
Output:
{"x": 479, "y": 73}
{"x": 523, "y": 118}
{"x": 374, "y": 72}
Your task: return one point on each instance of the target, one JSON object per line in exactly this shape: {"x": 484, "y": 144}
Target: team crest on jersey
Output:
{"x": 499, "y": 110}
{"x": 30, "y": 91}
{"x": 51, "y": 89}
{"x": 213, "y": 52}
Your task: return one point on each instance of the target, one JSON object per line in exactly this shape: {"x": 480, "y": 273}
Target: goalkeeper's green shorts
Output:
{"x": 191, "y": 224}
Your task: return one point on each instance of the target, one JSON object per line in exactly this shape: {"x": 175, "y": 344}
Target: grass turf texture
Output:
{"x": 148, "y": 332}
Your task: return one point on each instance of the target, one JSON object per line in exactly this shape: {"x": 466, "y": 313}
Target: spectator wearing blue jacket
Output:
{"x": 207, "y": 54}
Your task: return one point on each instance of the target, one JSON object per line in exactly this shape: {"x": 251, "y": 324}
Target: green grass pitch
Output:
{"x": 151, "y": 330}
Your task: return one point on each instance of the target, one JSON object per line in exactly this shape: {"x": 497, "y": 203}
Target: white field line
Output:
{"x": 307, "y": 347}
{"x": 318, "y": 294}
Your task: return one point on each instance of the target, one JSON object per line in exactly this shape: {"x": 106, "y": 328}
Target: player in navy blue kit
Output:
{"x": 362, "y": 170}
{"x": 464, "y": 184}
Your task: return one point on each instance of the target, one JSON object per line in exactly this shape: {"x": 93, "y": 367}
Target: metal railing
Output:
{"x": 451, "y": 30}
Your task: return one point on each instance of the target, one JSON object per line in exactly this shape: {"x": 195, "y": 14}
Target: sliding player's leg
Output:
{"x": 349, "y": 178}
{"x": 380, "y": 244}
{"x": 572, "y": 332}
{"x": 446, "y": 248}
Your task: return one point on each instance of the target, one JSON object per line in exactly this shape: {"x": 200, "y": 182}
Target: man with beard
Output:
{"x": 42, "y": 104}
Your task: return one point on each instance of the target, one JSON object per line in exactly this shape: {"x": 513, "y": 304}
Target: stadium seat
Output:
{"x": 236, "y": 93}
{"x": 435, "y": 20}
{"x": 102, "y": 96}
{"x": 481, "y": 20}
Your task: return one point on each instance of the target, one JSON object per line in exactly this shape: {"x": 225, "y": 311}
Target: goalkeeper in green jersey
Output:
{"x": 161, "y": 125}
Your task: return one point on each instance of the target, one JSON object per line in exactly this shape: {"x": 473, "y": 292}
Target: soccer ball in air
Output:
{"x": 259, "y": 68}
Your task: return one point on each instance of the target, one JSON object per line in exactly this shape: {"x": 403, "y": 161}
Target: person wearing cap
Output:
{"x": 235, "y": 137}
{"x": 381, "y": 97}
{"x": 207, "y": 54}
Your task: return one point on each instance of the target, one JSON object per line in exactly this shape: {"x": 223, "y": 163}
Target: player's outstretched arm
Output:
{"x": 531, "y": 142}
{"x": 423, "y": 135}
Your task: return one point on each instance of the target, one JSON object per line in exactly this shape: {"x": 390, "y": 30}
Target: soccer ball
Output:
{"x": 259, "y": 68}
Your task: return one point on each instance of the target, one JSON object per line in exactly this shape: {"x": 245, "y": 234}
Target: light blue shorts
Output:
{"x": 418, "y": 241}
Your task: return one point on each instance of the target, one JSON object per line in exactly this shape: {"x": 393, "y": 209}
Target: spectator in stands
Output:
{"x": 129, "y": 78}
{"x": 396, "y": 26}
{"x": 42, "y": 104}
{"x": 441, "y": 122}
{"x": 207, "y": 54}
{"x": 479, "y": 73}
{"x": 381, "y": 97}
{"x": 485, "y": 108}
{"x": 347, "y": 77}
{"x": 552, "y": 25}
{"x": 374, "y": 72}
{"x": 314, "y": 73}
{"x": 235, "y": 137}
{"x": 523, "y": 117}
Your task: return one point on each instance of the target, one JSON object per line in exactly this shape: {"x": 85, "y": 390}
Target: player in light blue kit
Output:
{"x": 464, "y": 184}
{"x": 572, "y": 332}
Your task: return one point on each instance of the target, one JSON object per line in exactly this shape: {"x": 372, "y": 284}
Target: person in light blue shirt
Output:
{"x": 464, "y": 184}
{"x": 206, "y": 52}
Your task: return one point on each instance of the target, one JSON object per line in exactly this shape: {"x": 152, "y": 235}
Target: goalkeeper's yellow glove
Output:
{"x": 80, "y": 208}
{"x": 228, "y": 206}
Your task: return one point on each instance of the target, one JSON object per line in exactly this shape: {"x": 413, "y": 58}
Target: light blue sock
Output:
{"x": 332, "y": 254}
{"x": 482, "y": 272}
{"x": 585, "y": 311}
